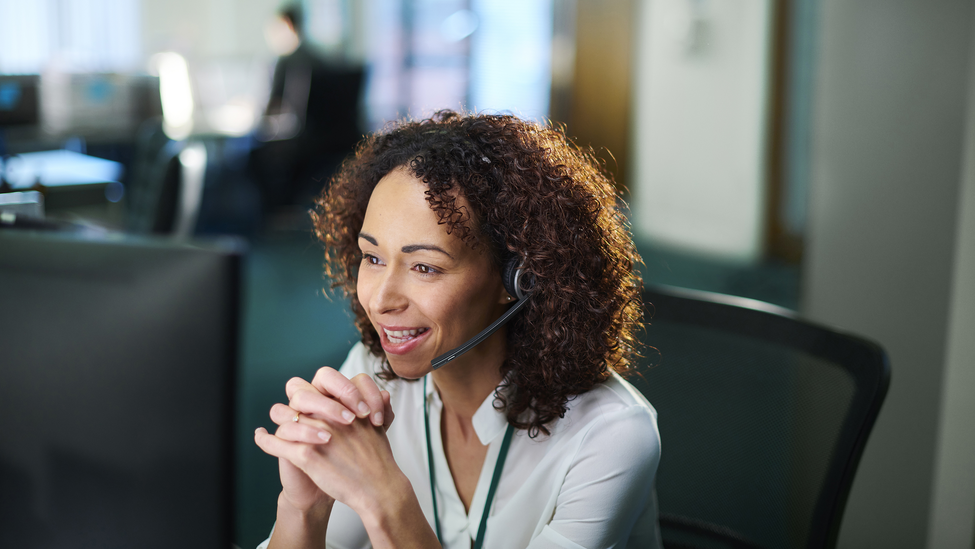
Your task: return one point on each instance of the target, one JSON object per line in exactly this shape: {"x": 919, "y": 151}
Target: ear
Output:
{"x": 504, "y": 297}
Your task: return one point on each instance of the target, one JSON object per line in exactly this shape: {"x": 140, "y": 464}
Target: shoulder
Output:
{"x": 616, "y": 414}
{"x": 606, "y": 451}
{"x": 611, "y": 397}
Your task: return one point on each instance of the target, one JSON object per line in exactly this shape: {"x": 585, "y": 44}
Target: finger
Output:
{"x": 312, "y": 403}
{"x": 279, "y": 448}
{"x": 271, "y": 444}
{"x": 300, "y": 455}
{"x": 284, "y": 415}
{"x": 296, "y": 386}
{"x": 387, "y": 411}
{"x": 330, "y": 382}
{"x": 372, "y": 397}
{"x": 302, "y": 432}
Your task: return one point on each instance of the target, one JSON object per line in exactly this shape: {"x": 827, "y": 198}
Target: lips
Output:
{"x": 400, "y": 340}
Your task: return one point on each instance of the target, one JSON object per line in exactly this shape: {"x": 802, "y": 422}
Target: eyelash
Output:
{"x": 368, "y": 258}
{"x": 429, "y": 271}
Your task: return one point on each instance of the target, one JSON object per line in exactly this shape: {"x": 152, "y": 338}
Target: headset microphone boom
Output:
{"x": 511, "y": 277}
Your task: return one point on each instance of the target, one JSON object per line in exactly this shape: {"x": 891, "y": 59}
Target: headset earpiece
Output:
{"x": 511, "y": 278}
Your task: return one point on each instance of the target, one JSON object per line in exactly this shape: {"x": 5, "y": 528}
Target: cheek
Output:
{"x": 472, "y": 301}
{"x": 363, "y": 290}
{"x": 430, "y": 301}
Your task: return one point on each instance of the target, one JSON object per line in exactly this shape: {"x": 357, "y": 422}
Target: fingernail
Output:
{"x": 348, "y": 416}
{"x": 324, "y": 435}
{"x": 377, "y": 419}
{"x": 363, "y": 409}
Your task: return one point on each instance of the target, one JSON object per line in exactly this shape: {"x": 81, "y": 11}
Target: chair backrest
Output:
{"x": 332, "y": 118}
{"x": 167, "y": 182}
{"x": 763, "y": 419}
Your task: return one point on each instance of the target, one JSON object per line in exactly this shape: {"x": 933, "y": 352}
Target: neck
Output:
{"x": 465, "y": 382}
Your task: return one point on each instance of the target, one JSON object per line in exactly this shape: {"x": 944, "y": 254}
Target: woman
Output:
{"x": 531, "y": 438}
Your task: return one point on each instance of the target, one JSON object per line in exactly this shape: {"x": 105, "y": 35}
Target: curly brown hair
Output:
{"x": 534, "y": 195}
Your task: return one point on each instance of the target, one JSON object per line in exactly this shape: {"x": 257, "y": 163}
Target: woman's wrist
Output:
{"x": 395, "y": 514}
{"x": 297, "y": 527}
{"x": 318, "y": 510}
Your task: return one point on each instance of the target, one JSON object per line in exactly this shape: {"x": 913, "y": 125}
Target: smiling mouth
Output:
{"x": 397, "y": 337}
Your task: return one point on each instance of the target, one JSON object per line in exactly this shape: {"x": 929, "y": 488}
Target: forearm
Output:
{"x": 396, "y": 520}
{"x": 297, "y": 529}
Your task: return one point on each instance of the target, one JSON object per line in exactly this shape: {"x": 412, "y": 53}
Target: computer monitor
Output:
{"x": 117, "y": 368}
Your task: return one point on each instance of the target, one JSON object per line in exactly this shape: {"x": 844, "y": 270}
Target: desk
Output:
{"x": 68, "y": 179}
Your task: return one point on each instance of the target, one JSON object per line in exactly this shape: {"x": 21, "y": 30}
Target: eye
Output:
{"x": 371, "y": 259}
{"x": 425, "y": 269}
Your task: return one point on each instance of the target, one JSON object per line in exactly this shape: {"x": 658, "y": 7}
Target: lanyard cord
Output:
{"x": 502, "y": 456}
{"x": 433, "y": 477}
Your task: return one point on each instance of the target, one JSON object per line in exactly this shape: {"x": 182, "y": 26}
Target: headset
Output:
{"x": 512, "y": 277}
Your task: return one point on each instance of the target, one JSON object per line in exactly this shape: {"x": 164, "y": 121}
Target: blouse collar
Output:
{"x": 489, "y": 422}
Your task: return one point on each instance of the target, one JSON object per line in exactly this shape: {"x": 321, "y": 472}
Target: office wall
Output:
{"x": 700, "y": 130}
{"x": 881, "y": 259}
{"x": 952, "y": 516}
{"x": 203, "y": 29}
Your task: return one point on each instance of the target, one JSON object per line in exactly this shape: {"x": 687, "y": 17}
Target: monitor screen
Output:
{"x": 117, "y": 364}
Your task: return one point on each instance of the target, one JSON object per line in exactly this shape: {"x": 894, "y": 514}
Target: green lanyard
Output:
{"x": 502, "y": 456}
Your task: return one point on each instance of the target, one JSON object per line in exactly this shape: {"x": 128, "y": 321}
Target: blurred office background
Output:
{"x": 816, "y": 154}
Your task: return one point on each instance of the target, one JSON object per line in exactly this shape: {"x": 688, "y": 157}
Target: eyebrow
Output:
{"x": 408, "y": 249}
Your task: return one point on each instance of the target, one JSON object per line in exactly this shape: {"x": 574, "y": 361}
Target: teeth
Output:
{"x": 403, "y": 334}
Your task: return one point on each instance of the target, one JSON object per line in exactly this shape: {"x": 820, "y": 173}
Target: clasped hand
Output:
{"x": 337, "y": 449}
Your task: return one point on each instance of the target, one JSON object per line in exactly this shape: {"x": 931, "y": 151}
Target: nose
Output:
{"x": 388, "y": 295}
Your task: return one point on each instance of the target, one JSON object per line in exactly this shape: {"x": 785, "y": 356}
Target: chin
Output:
{"x": 408, "y": 369}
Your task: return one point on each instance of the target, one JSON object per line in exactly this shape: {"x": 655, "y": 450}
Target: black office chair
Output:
{"x": 291, "y": 168}
{"x": 763, "y": 418}
{"x": 153, "y": 186}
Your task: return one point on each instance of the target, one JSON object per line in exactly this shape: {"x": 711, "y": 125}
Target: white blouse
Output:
{"x": 587, "y": 485}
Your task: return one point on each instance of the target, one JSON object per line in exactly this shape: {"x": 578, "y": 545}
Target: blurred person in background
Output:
{"x": 312, "y": 117}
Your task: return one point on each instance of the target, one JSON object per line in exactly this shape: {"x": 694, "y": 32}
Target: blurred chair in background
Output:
{"x": 166, "y": 192}
{"x": 763, "y": 418}
{"x": 194, "y": 186}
